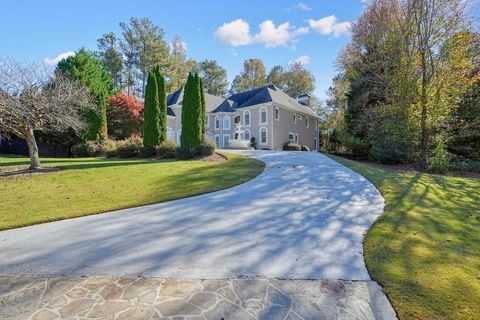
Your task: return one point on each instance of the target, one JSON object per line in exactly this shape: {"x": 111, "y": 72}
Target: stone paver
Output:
{"x": 104, "y": 298}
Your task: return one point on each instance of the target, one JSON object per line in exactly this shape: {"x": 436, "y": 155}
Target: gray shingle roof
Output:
{"x": 265, "y": 94}
{"x": 211, "y": 101}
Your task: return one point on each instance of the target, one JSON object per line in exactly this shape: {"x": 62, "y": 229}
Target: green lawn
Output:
{"x": 94, "y": 185}
{"x": 425, "y": 249}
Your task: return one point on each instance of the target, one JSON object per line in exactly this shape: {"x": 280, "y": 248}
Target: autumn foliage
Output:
{"x": 125, "y": 116}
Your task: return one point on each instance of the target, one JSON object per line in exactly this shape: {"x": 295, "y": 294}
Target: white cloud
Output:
{"x": 235, "y": 33}
{"x": 303, "y": 6}
{"x": 329, "y": 25}
{"x": 304, "y": 60}
{"x": 272, "y": 36}
{"x": 301, "y": 31}
{"x": 57, "y": 59}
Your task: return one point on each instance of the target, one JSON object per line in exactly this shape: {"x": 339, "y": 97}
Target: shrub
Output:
{"x": 146, "y": 152}
{"x": 292, "y": 147}
{"x": 385, "y": 155}
{"x": 185, "y": 153}
{"x": 305, "y": 148}
{"x": 130, "y": 147}
{"x": 464, "y": 165}
{"x": 253, "y": 143}
{"x": 354, "y": 144}
{"x": 87, "y": 149}
{"x": 166, "y": 149}
{"x": 124, "y": 116}
{"x": 207, "y": 148}
{"x": 108, "y": 148}
{"x": 439, "y": 160}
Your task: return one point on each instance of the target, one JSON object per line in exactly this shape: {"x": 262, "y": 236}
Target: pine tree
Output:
{"x": 162, "y": 106}
{"x": 203, "y": 111}
{"x": 151, "y": 128}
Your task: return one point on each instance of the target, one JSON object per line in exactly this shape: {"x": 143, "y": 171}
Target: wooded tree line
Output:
{"x": 408, "y": 86}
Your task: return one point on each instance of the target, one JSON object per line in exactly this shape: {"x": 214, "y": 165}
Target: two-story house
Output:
{"x": 266, "y": 113}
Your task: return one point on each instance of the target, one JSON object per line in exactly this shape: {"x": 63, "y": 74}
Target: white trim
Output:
{"x": 260, "y": 136}
{"x": 215, "y": 140}
{"x": 225, "y": 117}
{"x": 217, "y": 127}
{"x": 294, "y": 137}
{"x": 276, "y": 112}
{"x": 260, "y": 115}
{"x": 249, "y": 134}
{"x": 249, "y": 118}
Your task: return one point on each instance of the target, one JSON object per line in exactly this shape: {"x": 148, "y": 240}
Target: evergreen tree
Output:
{"x": 191, "y": 110}
{"x": 162, "y": 104}
{"x": 203, "y": 111}
{"x": 85, "y": 68}
{"x": 151, "y": 128}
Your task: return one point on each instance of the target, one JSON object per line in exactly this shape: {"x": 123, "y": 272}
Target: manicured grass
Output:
{"x": 94, "y": 185}
{"x": 425, "y": 249}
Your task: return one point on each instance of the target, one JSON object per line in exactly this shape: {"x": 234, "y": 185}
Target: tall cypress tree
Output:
{"x": 190, "y": 112}
{"x": 162, "y": 105}
{"x": 151, "y": 128}
{"x": 203, "y": 111}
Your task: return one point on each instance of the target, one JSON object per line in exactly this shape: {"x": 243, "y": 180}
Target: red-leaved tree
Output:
{"x": 125, "y": 116}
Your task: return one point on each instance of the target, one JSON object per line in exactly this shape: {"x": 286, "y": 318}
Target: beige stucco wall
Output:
{"x": 285, "y": 124}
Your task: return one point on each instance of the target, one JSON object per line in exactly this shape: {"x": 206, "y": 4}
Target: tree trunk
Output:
{"x": 423, "y": 120}
{"x": 32, "y": 149}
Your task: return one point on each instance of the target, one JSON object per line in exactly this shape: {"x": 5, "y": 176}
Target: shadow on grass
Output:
{"x": 424, "y": 250}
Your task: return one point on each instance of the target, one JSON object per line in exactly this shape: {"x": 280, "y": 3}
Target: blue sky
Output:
{"x": 277, "y": 32}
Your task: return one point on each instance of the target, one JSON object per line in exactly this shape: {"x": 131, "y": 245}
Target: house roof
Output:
{"x": 211, "y": 101}
{"x": 170, "y": 112}
{"x": 261, "y": 95}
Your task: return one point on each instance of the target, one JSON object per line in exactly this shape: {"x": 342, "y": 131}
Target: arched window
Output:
{"x": 295, "y": 118}
{"x": 307, "y": 122}
{"x": 217, "y": 122}
{"x": 262, "y": 115}
{"x": 246, "y": 134}
{"x": 246, "y": 118}
{"x": 263, "y": 135}
{"x": 226, "y": 122}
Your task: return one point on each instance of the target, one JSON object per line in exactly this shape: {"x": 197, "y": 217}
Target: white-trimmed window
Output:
{"x": 295, "y": 118}
{"x": 217, "y": 141}
{"x": 226, "y": 122}
{"x": 246, "y": 118}
{"x": 307, "y": 122}
{"x": 246, "y": 134}
{"x": 226, "y": 137}
{"x": 217, "y": 122}
{"x": 262, "y": 115}
{"x": 277, "y": 113}
{"x": 263, "y": 135}
{"x": 293, "y": 137}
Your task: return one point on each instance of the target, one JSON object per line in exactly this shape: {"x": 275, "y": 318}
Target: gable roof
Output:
{"x": 270, "y": 93}
{"x": 211, "y": 101}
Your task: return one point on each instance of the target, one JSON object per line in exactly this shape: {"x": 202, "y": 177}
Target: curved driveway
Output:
{"x": 304, "y": 217}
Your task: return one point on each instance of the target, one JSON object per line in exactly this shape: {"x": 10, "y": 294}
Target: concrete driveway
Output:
{"x": 304, "y": 217}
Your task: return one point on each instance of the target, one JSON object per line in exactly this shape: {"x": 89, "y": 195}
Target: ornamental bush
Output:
{"x": 130, "y": 147}
{"x": 167, "y": 149}
{"x": 292, "y": 147}
{"x": 207, "y": 148}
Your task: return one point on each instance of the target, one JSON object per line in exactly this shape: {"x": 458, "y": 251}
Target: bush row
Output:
{"x": 295, "y": 147}
{"x": 133, "y": 147}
